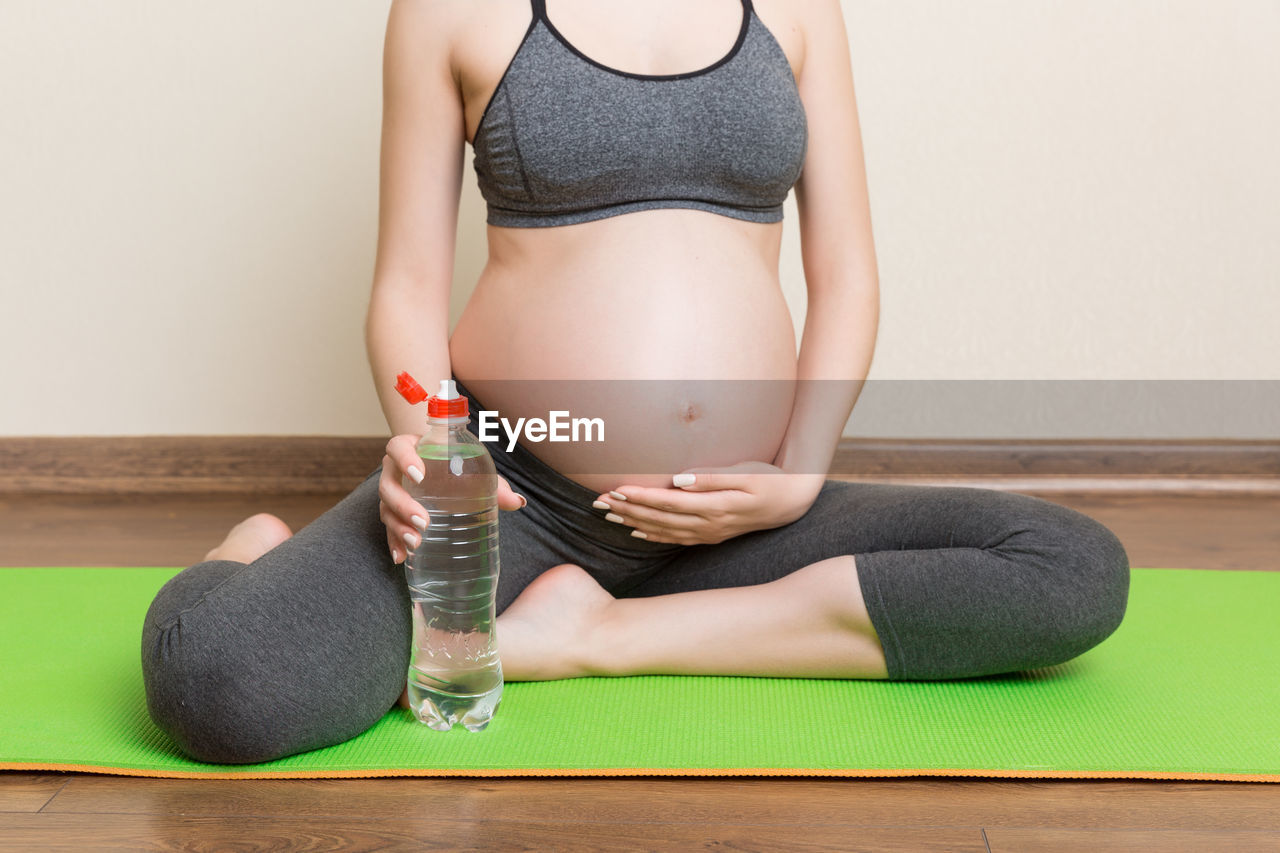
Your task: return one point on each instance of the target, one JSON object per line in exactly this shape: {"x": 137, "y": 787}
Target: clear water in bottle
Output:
{"x": 455, "y": 675}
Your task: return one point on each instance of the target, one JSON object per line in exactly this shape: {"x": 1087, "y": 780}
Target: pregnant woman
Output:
{"x": 634, "y": 158}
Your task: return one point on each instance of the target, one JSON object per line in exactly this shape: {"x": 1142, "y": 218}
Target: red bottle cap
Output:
{"x": 410, "y": 389}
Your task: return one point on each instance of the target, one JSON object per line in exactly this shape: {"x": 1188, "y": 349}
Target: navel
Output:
{"x": 688, "y": 412}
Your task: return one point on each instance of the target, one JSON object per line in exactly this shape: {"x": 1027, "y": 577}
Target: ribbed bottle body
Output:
{"x": 455, "y": 676}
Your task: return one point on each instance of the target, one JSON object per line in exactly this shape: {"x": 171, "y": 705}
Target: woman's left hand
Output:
{"x": 715, "y": 505}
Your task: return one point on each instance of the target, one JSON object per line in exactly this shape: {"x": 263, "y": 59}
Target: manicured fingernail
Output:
{"x": 415, "y": 474}
{"x": 411, "y": 540}
{"x": 639, "y": 534}
{"x": 418, "y": 522}
{"x": 619, "y": 495}
{"x": 600, "y": 505}
{"x": 395, "y": 555}
{"x": 683, "y": 480}
{"x": 613, "y": 516}
{"x": 523, "y": 503}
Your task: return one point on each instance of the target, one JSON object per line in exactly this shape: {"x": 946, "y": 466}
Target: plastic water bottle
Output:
{"x": 455, "y": 675}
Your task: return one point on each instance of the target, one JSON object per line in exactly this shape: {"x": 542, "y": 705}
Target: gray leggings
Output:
{"x": 308, "y": 645}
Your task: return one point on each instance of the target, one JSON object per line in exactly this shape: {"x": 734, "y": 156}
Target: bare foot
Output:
{"x": 547, "y": 631}
{"x": 251, "y": 538}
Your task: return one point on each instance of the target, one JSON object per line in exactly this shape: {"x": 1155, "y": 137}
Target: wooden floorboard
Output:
{"x": 419, "y": 832}
{"x": 1129, "y": 841}
{"x": 151, "y": 530}
{"x": 29, "y": 792}
{"x": 935, "y": 801}
{"x": 54, "y": 811}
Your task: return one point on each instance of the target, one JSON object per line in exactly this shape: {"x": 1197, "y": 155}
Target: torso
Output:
{"x": 670, "y": 294}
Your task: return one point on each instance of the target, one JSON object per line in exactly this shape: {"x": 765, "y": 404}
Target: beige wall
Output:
{"x": 188, "y": 198}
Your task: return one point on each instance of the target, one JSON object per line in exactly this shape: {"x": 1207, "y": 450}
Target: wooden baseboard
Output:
{"x": 1077, "y": 465}
{"x": 329, "y": 465}
{"x": 185, "y": 464}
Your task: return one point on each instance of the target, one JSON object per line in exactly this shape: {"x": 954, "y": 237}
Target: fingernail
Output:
{"x": 613, "y": 516}
{"x": 639, "y": 534}
{"x": 600, "y": 505}
{"x": 683, "y": 480}
{"x": 395, "y": 555}
{"x": 418, "y": 522}
{"x": 523, "y": 503}
{"x": 411, "y": 540}
{"x": 619, "y": 495}
{"x": 415, "y": 474}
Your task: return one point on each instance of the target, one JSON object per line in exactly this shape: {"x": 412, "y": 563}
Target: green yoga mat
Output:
{"x": 1187, "y": 688}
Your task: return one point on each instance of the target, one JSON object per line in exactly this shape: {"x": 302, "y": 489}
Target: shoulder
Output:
{"x": 810, "y": 13}
{"x": 823, "y": 36}
{"x": 441, "y": 19}
{"x": 432, "y": 13}
{"x": 797, "y": 24}
{"x": 428, "y": 28}
{"x": 818, "y": 19}
{"x": 462, "y": 30}
{"x": 428, "y": 18}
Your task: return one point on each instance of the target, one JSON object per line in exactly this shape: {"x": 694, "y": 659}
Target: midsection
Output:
{"x": 686, "y": 302}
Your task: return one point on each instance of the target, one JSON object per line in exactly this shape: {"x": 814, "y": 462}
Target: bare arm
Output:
{"x": 841, "y": 277}
{"x": 407, "y": 325}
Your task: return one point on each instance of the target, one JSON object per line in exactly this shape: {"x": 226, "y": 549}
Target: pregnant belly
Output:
{"x": 673, "y": 360}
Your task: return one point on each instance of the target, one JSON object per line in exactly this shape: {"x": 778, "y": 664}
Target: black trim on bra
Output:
{"x": 540, "y": 11}
{"x": 512, "y": 61}
{"x": 540, "y": 14}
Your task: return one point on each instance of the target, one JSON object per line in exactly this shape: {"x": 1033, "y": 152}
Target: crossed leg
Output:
{"x": 809, "y": 623}
{"x": 990, "y": 581}
{"x": 875, "y": 581}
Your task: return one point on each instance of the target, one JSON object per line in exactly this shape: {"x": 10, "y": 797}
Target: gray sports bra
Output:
{"x": 565, "y": 139}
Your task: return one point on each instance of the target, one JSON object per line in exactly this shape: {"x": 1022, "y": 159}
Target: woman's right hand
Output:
{"x": 403, "y": 516}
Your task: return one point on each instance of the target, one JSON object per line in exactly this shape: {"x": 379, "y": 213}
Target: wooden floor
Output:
{"x": 55, "y": 811}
